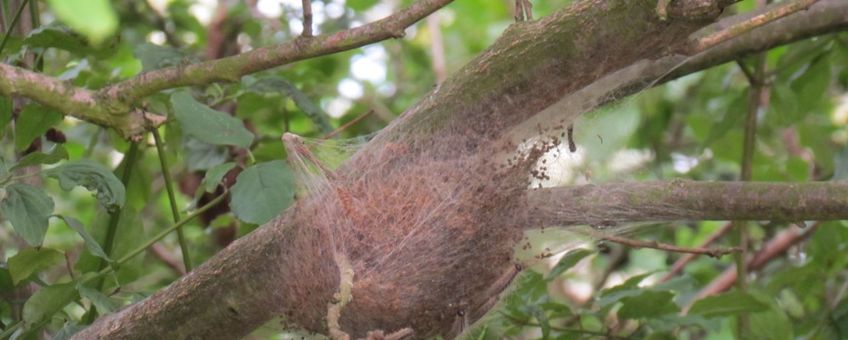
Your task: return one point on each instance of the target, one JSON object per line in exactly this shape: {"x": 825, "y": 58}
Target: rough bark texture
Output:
{"x": 286, "y": 268}
{"x": 613, "y": 203}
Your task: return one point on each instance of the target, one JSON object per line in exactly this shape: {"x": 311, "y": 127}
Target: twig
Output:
{"x": 13, "y": 24}
{"x": 523, "y": 10}
{"x": 437, "y": 48}
{"x": 169, "y": 188}
{"x": 347, "y": 125}
{"x": 706, "y": 42}
{"x": 160, "y": 253}
{"x": 112, "y": 106}
{"x": 775, "y": 247}
{"x": 712, "y": 252}
{"x": 678, "y": 265}
{"x": 307, "y": 18}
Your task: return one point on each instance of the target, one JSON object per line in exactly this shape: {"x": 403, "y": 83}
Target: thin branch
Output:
{"x": 678, "y": 265}
{"x": 307, "y": 18}
{"x": 162, "y": 254}
{"x": 614, "y": 203}
{"x": 233, "y": 68}
{"x": 783, "y": 9}
{"x": 712, "y": 252}
{"x": 112, "y": 106}
{"x": 169, "y": 188}
{"x": 345, "y": 126}
{"x": 437, "y": 48}
{"x": 772, "y": 250}
{"x": 12, "y": 25}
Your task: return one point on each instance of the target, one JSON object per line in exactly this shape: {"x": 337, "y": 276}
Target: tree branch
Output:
{"x": 112, "y": 105}
{"x": 611, "y": 204}
{"x": 282, "y": 268}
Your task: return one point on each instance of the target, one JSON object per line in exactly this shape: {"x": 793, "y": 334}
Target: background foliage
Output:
{"x": 65, "y": 184}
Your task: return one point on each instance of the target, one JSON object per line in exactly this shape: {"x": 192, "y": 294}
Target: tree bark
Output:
{"x": 552, "y": 69}
{"x": 615, "y": 203}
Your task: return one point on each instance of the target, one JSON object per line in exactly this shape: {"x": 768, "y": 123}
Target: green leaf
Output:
{"x": 203, "y": 156}
{"x": 840, "y": 166}
{"x": 28, "y": 208}
{"x": 6, "y": 283}
{"x": 57, "y": 36}
{"x": 57, "y": 154}
{"x": 89, "y": 241}
{"x": 812, "y": 86}
{"x": 208, "y": 125}
{"x": 30, "y": 261}
{"x": 215, "y": 175}
{"x": 732, "y": 303}
{"x": 96, "y": 19}
{"x": 648, "y": 304}
{"x": 360, "y": 5}
{"x": 307, "y": 105}
{"x": 68, "y": 330}
{"x": 568, "y": 261}
{"x": 154, "y": 57}
{"x": 92, "y": 176}
{"x": 262, "y": 192}
{"x": 784, "y": 109}
{"x": 544, "y": 323}
{"x": 33, "y": 121}
{"x": 628, "y": 288}
{"x": 48, "y": 301}
{"x": 5, "y": 113}
{"x": 734, "y": 114}
{"x": 103, "y": 303}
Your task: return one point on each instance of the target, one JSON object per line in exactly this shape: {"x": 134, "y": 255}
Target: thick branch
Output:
{"x": 610, "y": 204}
{"x": 281, "y": 269}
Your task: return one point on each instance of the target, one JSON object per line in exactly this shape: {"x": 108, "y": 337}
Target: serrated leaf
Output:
{"x": 33, "y": 121}
{"x": 30, "y": 261}
{"x": 262, "y": 192}
{"x": 28, "y": 209}
{"x": 154, "y": 57}
{"x": 96, "y": 19}
{"x": 89, "y": 241}
{"x": 568, "y": 261}
{"x": 215, "y": 175}
{"x": 208, "y": 125}
{"x": 103, "y": 303}
{"x": 47, "y": 301}
{"x": 648, "y": 304}
{"x": 109, "y": 190}
{"x": 57, "y": 154}
{"x": 727, "y": 304}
